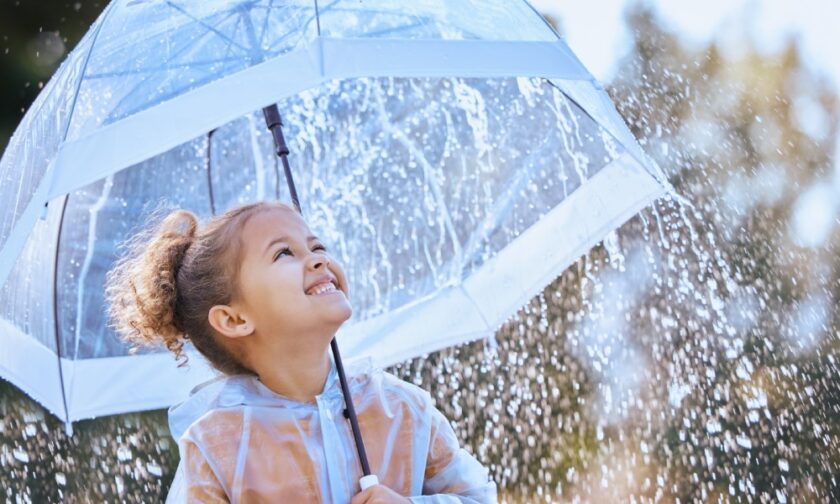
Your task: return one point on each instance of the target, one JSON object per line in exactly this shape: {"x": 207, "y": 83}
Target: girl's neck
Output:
{"x": 300, "y": 379}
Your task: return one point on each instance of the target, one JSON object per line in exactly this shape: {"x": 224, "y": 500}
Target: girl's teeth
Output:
{"x": 325, "y": 288}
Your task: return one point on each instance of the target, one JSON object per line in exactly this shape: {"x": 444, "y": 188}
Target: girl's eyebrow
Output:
{"x": 286, "y": 239}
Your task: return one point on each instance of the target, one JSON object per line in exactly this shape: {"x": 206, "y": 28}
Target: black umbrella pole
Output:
{"x": 275, "y": 125}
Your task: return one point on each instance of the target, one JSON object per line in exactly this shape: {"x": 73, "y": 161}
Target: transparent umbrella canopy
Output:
{"x": 454, "y": 156}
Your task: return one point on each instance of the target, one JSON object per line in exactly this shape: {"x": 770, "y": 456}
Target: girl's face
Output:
{"x": 291, "y": 288}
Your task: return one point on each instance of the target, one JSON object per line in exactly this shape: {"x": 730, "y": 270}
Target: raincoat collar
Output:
{"x": 247, "y": 390}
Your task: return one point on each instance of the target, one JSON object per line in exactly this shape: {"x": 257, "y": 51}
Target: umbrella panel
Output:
{"x": 26, "y": 300}
{"x": 97, "y": 219}
{"x": 412, "y": 183}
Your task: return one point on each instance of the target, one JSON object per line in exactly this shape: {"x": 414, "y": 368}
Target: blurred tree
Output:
{"x": 36, "y": 36}
{"x": 749, "y": 139}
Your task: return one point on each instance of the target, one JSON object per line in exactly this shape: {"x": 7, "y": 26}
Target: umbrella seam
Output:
{"x": 477, "y": 308}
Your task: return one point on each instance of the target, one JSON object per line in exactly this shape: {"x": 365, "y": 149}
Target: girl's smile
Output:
{"x": 326, "y": 285}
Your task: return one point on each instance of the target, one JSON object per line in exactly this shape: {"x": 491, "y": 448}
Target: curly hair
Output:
{"x": 162, "y": 289}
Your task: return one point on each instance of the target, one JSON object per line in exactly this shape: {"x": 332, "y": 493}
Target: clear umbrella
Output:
{"x": 456, "y": 157}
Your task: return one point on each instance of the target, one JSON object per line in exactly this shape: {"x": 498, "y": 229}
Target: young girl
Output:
{"x": 261, "y": 298}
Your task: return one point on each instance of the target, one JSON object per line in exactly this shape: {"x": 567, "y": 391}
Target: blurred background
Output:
{"x": 692, "y": 356}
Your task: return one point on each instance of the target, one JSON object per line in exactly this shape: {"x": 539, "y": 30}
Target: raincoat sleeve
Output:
{"x": 452, "y": 475}
{"x": 195, "y": 480}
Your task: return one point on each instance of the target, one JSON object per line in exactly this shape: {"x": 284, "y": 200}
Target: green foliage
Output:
{"x": 728, "y": 130}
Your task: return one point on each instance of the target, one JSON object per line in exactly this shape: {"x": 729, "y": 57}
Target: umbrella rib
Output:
{"x": 209, "y": 176}
{"x": 265, "y": 21}
{"x": 319, "y": 11}
{"x": 122, "y": 73}
{"x": 327, "y": 7}
{"x": 55, "y": 307}
{"x": 477, "y": 308}
{"x": 82, "y": 70}
{"x": 201, "y": 22}
{"x": 317, "y": 18}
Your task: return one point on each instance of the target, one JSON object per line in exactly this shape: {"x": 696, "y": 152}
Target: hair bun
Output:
{"x": 142, "y": 284}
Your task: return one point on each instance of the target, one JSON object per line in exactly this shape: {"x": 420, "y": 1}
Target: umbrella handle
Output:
{"x": 368, "y": 481}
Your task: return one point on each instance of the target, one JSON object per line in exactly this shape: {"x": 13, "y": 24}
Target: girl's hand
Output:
{"x": 379, "y": 494}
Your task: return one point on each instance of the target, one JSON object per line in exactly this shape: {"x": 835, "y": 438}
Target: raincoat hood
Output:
{"x": 231, "y": 391}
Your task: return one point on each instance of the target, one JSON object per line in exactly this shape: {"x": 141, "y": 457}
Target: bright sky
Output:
{"x": 595, "y": 29}
{"x": 596, "y": 32}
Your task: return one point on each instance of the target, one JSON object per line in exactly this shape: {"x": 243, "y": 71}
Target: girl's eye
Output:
{"x": 281, "y": 252}
{"x": 287, "y": 249}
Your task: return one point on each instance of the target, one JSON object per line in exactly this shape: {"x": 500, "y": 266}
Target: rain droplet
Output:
{"x": 124, "y": 453}
{"x": 21, "y": 455}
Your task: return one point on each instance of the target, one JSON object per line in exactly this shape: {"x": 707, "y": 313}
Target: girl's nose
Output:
{"x": 319, "y": 261}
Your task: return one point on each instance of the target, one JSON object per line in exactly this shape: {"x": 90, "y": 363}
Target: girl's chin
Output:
{"x": 336, "y": 315}
{"x": 341, "y": 316}
{"x": 337, "y": 303}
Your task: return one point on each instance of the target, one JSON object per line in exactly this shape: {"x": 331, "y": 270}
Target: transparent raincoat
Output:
{"x": 242, "y": 442}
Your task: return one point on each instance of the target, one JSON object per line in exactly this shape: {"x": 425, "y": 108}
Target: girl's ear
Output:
{"x": 229, "y": 322}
